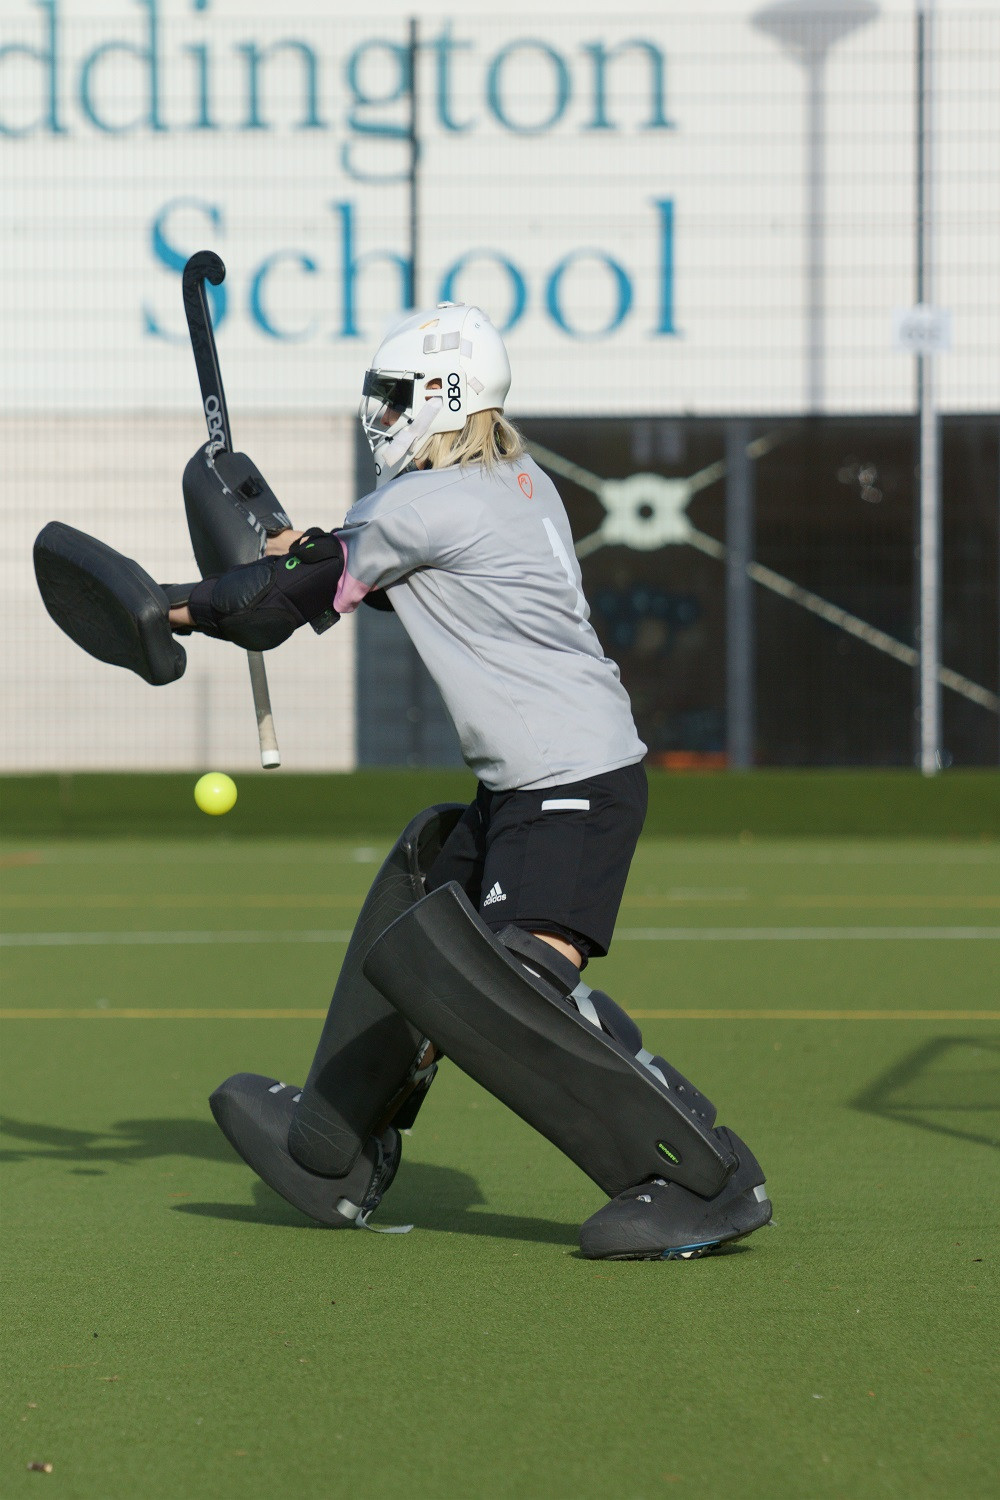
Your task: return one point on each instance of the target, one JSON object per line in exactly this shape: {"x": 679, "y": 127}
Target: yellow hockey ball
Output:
{"x": 215, "y": 793}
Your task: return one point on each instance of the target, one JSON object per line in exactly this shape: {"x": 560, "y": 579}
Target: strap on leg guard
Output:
{"x": 530, "y": 1046}
{"x": 369, "y": 1067}
{"x": 543, "y": 961}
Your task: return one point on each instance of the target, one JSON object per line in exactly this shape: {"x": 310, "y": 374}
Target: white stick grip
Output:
{"x": 270, "y": 755}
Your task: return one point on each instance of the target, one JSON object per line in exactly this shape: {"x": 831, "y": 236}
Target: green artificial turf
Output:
{"x": 377, "y": 803}
{"x": 173, "y": 1329}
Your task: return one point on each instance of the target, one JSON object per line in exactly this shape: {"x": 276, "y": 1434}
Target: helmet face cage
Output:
{"x": 387, "y": 403}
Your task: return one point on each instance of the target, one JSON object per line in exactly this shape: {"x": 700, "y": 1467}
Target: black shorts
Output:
{"x": 554, "y": 860}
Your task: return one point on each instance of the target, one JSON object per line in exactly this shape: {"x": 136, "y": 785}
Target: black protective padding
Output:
{"x": 661, "y": 1220}
{"x": 456, "y": 983}
{"x": 259, "y": 604}
{"x": 368, "y": 1054}
{"x": 253, "y": 1113}
{"x": 106, "y": 603}
{"x": 231, "y": 509}
{"x": 617, "y": 1022}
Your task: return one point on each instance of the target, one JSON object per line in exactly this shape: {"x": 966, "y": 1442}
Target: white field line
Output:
{"x": 624, "y": 934}
{"x": 801, "y": 934}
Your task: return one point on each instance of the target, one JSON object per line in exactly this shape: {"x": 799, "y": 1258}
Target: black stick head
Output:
{"x": 204, "y": 265}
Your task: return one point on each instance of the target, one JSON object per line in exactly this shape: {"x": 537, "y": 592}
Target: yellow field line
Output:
{"x": 815, "y": 1015}
{"x": 201, "y": 1014}
{"x": 20, "y": 901}
{"x": 171, "y": 1013}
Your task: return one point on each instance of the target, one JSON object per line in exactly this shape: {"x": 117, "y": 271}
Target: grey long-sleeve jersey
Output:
{"x": 485, "y": 581}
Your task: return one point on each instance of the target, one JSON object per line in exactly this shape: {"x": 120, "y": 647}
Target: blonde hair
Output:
{"x": 487, "y": 438}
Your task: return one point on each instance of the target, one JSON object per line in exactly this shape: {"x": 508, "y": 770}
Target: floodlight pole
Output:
{"x": 929, "y": 624}
{"x": 815, "y": 233}
{"x": 807, "y": 29}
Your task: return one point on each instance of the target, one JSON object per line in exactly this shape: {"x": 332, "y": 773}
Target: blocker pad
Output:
{"x": 443, "y": 969}
{"x": 231, "y": 510}
{"x": 107, "y": 604}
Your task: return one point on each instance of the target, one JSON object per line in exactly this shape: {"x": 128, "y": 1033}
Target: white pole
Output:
{"x": 815, "y": 233}
{"x": 930, "y": 463}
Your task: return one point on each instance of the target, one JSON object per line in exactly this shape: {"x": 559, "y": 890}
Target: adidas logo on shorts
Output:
{"x": 496, "y": 894}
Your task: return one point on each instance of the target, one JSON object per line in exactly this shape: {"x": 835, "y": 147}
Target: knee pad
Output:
{"x": 369, "y": 1068}
{"x": 619, "y": 1119}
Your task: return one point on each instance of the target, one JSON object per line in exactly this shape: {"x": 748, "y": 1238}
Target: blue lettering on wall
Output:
{"x": 176, "y": 69}
{"x": 443, "y": 46}
{"x": 665, "y": 214}
{"x": 601, "y": 54}
{"x": 363, "y": 99}
{"x": 148, "y": 56}
{"x": 457, "y": 280}
{"x": 351, "y": 265}
{"x": 257, "y": 311}
{"x": 173, "y": 259}
{"x": 561, "y": 87}
{"x": 622, "y": 285}
{"x": 48, "y": 56}
{"x": 255, "y": 58}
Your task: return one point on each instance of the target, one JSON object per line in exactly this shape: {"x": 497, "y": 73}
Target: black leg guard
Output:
{"x": 544, "y": 962}
{"x": 332, "y": 1148}
{"x": 254, "y": 1113}
{"x": 368, "y": 1065}
{"x": 106, "y": 603}
{"x": 661, "y": 1220}
{"x": 506, "y": 1025}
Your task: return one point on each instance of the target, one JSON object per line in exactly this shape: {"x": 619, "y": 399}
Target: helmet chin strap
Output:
{"x": 392, "y": 452}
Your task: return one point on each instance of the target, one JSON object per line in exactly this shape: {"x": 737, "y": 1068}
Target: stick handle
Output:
{"x": 270, "y": 755}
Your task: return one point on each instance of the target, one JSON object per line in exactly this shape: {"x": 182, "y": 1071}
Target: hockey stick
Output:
{"x": 207, "y": 266}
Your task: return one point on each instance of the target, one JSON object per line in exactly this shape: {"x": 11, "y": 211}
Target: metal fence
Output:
{"x": 702, "y": 234}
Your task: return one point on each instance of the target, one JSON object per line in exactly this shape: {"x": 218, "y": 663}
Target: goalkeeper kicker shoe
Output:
{"x": 659, "y": 1220}
{"x": 254, "y": 1114}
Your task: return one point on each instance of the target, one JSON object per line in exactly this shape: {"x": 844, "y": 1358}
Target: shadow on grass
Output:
{"x": 432, "y": 1197}
{"x": 427, "y": 1196}
{"x": 939, "y": 1086}
{"x": 124, "y": 1143}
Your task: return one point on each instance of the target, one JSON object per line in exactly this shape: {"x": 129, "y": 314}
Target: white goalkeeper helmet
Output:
{"x": 452, "y": 343}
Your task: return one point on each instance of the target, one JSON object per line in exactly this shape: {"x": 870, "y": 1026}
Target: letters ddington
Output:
{"x": 162, "y": 70}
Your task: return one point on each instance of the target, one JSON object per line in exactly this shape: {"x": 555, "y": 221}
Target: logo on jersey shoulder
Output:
{"x": 496, "y": 894}
{"x": 524, "y": 480}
